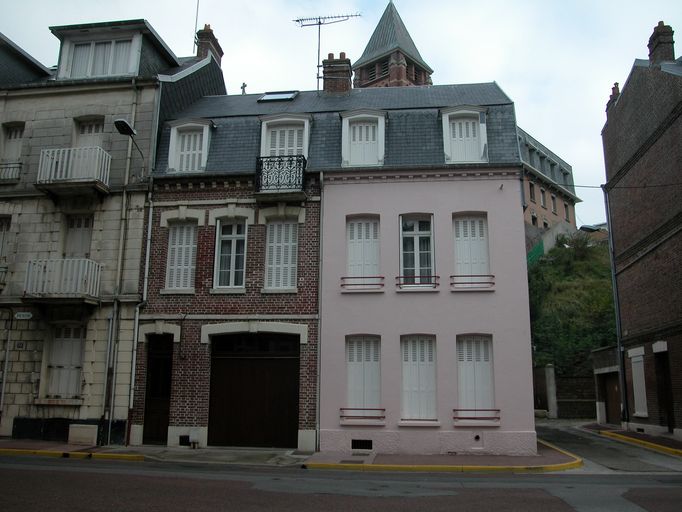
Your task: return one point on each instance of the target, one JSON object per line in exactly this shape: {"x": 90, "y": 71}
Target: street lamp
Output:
{"x": 123, "y": 127}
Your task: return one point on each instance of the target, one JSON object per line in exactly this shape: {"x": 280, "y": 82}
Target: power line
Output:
{"x": 626, "y": 186}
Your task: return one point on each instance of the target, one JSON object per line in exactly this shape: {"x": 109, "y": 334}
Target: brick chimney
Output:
{"x": 661, "y": 45}
{"x": 207, "y": 42}
{"x": 615, "y": 93}
{"x": 336, "y": 74}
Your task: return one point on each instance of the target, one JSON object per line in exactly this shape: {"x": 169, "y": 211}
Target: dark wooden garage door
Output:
{"x": 254, "y": 390}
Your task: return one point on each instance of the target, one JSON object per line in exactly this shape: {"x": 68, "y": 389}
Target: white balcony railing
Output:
{"x": 74, "y": 165}
{"x": 10, "y": 171}
{"x": 67, "y": 278}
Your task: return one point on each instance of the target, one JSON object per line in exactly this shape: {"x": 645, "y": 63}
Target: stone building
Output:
{"x": 76, "y": 147}
{"x": 642, "y": 141}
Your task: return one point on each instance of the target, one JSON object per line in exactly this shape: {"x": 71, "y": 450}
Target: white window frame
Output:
{"x": 636, "y": 356}
{"x": 476, "y": 375}
{"x": 281, "y": 120}
{"x": 531, "y": 191}
{"x": 183, "y": 127}
{"x": 363, "y": 371}
{"x": 449, "y": 115}
{"x": 472, "y": 256}
{"x": 12, "y": 141}
{"x": 70, "y": 368}
{"x": 543, "y": 198}
{"x": 68, "y": 48}
{"x": 419, "y": 280}
{"x": 276, "y": 281}
{"x": 173, "y": 281}
{"x": 363, "y": 256}
{"x": 359, "y": 116}
{"x": 552, "y": 199}
{"x": 233, "y": 255}
{"x": 419, "y": 367}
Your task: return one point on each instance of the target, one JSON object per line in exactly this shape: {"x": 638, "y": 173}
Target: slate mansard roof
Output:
{"x": 414, "y": 132}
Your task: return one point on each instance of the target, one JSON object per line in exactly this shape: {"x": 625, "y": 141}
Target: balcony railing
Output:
{"x": 280, "y": 173}
{"x": 349, "y": 413}
{"x": 492, "y": 415}
{"x": 76, "y": 278}
{"x": 473, "y": 281}
{"x": 417, "y": 281}
{"x": 351, "y": 283}
{"x": 73, "y": 166}
{"x": 10, "y": 171}
{"x": 3, "y": 275}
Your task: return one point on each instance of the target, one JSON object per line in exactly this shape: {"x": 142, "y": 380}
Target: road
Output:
{"x": 611, "y": 480}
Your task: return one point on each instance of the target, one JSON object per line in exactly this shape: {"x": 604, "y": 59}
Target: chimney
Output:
{"x": 661, "y": 44}
{"x": 336, "y": 74}
{"x": 207, "y": 42}
{"x": 615, "y": 92}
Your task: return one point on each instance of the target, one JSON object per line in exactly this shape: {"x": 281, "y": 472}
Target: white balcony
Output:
{"x": 10, "y": 172}
{"x": 3, "y": 275}
{"x": 75, "y": 279}
{"x": 69, "y": 171}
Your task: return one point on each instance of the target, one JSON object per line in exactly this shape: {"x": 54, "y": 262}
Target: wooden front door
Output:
{"x": 158, "y": 392}
{"x": 254, "y": 390}
{"x": 612, "y": 395}
{"x": 664, "y": 392}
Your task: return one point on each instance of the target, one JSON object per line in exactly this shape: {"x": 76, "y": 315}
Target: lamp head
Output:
{"x": 124, "y": 127}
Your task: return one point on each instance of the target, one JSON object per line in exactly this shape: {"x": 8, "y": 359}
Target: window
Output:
{"x": 416, "y": 254}
{"x": 475, "y": 371}
{"x": 638, "y": 381}
{"x": 281, "y": 255}
{"x": 567, "y": 212}
{"x": 182, "y": 252}
{"x": 230, "y": 254}
{"x": 419, "y": 377}
{"x": 13, "y": 135}
{"x": 545, "y": 224}
{"x": 362, "y": 245}
{"x": 189, "y": 146}
{"x": 64, "y": 363}
{"x": 472, "y": 267}
{"x": 89, "y": 132}
{"x": 464, "y": 135}
{"x": 553, "y": 200}
{"x": 531, "y": 190}
{"x": 278, "y": 96}
{"x": 78, "y": 236}
{"x": 363, "y": 363}
{"x": 362, "y": 134}
{"x": 285, "y": 135}
{"x": 543, "y": 199}
{"x": 5, "y": 222}
{"x": 101, "y": 58}
{"x": 533, "y": 218}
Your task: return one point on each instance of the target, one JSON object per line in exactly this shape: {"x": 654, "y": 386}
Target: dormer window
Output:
{"x": 100, "y": 57}
{"x": 362, "y": 136}
{"x": 465, "y": 137}
{"x": 285, "y": 135}
{"x": 189, "y": 146}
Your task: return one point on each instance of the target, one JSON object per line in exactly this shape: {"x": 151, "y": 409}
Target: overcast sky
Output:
{"x": 556, "y": 59}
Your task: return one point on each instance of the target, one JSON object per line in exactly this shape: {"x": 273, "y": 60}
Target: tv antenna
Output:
{"x": 319, "y": 21}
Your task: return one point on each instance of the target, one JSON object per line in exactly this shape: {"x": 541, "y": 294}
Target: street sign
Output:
{"x": 23, "y": 315}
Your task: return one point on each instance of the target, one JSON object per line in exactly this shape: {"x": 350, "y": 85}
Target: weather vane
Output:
{"x": 319, "y": 21}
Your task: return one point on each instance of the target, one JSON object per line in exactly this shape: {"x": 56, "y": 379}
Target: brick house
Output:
{"x": 72, "y": 202}
{"x": 642, "y": 153}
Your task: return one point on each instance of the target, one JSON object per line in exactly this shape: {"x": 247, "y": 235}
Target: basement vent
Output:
{"x": 361, "y": 444}
{"x": 184, "y": 441}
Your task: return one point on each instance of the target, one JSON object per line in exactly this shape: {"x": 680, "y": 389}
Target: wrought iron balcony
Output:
{"x": 68, "y": 171}
{"x": 3, "y": 275}
{"x": 280, "y": 174}
{"x": 10, "y": 172}
{"x": 472, "y": 282}
{"x": 63, "y": 279}
{"x": 476, "y": 415}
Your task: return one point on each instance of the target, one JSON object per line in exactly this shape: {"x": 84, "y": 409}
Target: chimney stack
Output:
{"x": 336, "y": 74}
{"x": 661, "y": 45}
{"x": 615, "y": 93}
{"x": 207, "y": 42}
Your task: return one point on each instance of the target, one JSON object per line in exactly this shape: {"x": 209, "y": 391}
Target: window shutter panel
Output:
{"x": 355, "y": 373}
{"x": 372, "y": 373}
{"x": 464, "y": 137}
{"x": 419, "y": 378}
{"x": 65, "y": 363}
{"x": 363, "y": 147}
{"x": 282, "y": 255}
{"x": 475, "y": 368}
{"x": 182, "y": 249}
{"x": 471, "y": 247}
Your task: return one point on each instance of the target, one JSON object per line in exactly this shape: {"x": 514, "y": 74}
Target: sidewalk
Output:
{"x": 549, "y": 458}
{"x": 660, "y": 443}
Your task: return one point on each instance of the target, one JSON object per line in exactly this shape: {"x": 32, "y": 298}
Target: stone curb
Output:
{"x": 640, "y": 442}
{"x": 130, "y": 457}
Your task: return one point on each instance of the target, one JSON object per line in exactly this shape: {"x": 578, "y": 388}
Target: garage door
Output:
{"x": 254, "y": 390}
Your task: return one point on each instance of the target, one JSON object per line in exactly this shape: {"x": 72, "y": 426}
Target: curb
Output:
{"x": 131, "y": 457}
{"x": 646, "y": 444}
{"x": 575, "y": 463}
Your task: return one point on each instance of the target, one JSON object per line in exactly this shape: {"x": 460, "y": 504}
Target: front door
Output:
{"x": 254, "y": 390}
{"x": 612, "y": 396}
{"x": 664, "y": 391}
{"x": 158, "y": 391}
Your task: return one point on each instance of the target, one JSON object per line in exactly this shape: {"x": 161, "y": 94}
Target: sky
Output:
{"x": 556, "y": 59}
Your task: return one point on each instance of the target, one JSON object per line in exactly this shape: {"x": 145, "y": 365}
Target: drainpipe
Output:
{"x": 6, "y": 361}
{"x": 110, "y": 337}
{"x": 625, "y": 413}
{"x": 319, "y": 316}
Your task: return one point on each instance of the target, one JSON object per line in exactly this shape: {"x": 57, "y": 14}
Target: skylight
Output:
{"x": 278, "y": 96}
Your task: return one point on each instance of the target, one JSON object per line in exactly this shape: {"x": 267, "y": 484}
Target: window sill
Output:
{"x": 363, "y": 423}
{"x": 227, "y": 291}
{"x": 641, "y": 415}
{"x": 275, "y": 291}
{"x": 418, "y": 289}
{"x": 58, "y": 401}
{"x": 362, "y": 290}
{"x": 177, "y": 291}
{"x": 419, "y": 423}
{"x": 477, "y": 423}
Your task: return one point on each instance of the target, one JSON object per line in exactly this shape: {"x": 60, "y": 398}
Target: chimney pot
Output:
{"x": 330, "y": 56}
{"x": 342, "y": 55}
{"x": 336, "y": 74}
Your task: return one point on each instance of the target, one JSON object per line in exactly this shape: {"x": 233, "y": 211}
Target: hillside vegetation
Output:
{"x": 571, "y": 305}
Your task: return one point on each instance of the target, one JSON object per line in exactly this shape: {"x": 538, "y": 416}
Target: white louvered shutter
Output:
{"x": 4, "y": 230}
{"x": 364, "y": 149}
{"x": 639, "y": 385}
{"x": 471, "y": 248}
{"x": 286, "y": 140}
{"x": 65, "y": 363}
{"x": 13, "y": 138}
{"x": 182, "y": 250}
{"x": 464, "y": 136}
{"x": 363, "y": 248}
{"x": 190, "y": 150}
{"x": 78, "y": 236}
{"x": 281, "y": 255}
{"x": 475, "y": 369}
{"x": 419, "y": 377}
{"x": 364, "y": 374}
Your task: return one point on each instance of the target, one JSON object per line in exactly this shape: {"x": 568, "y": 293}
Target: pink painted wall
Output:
{"x": 502, "y": 313}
